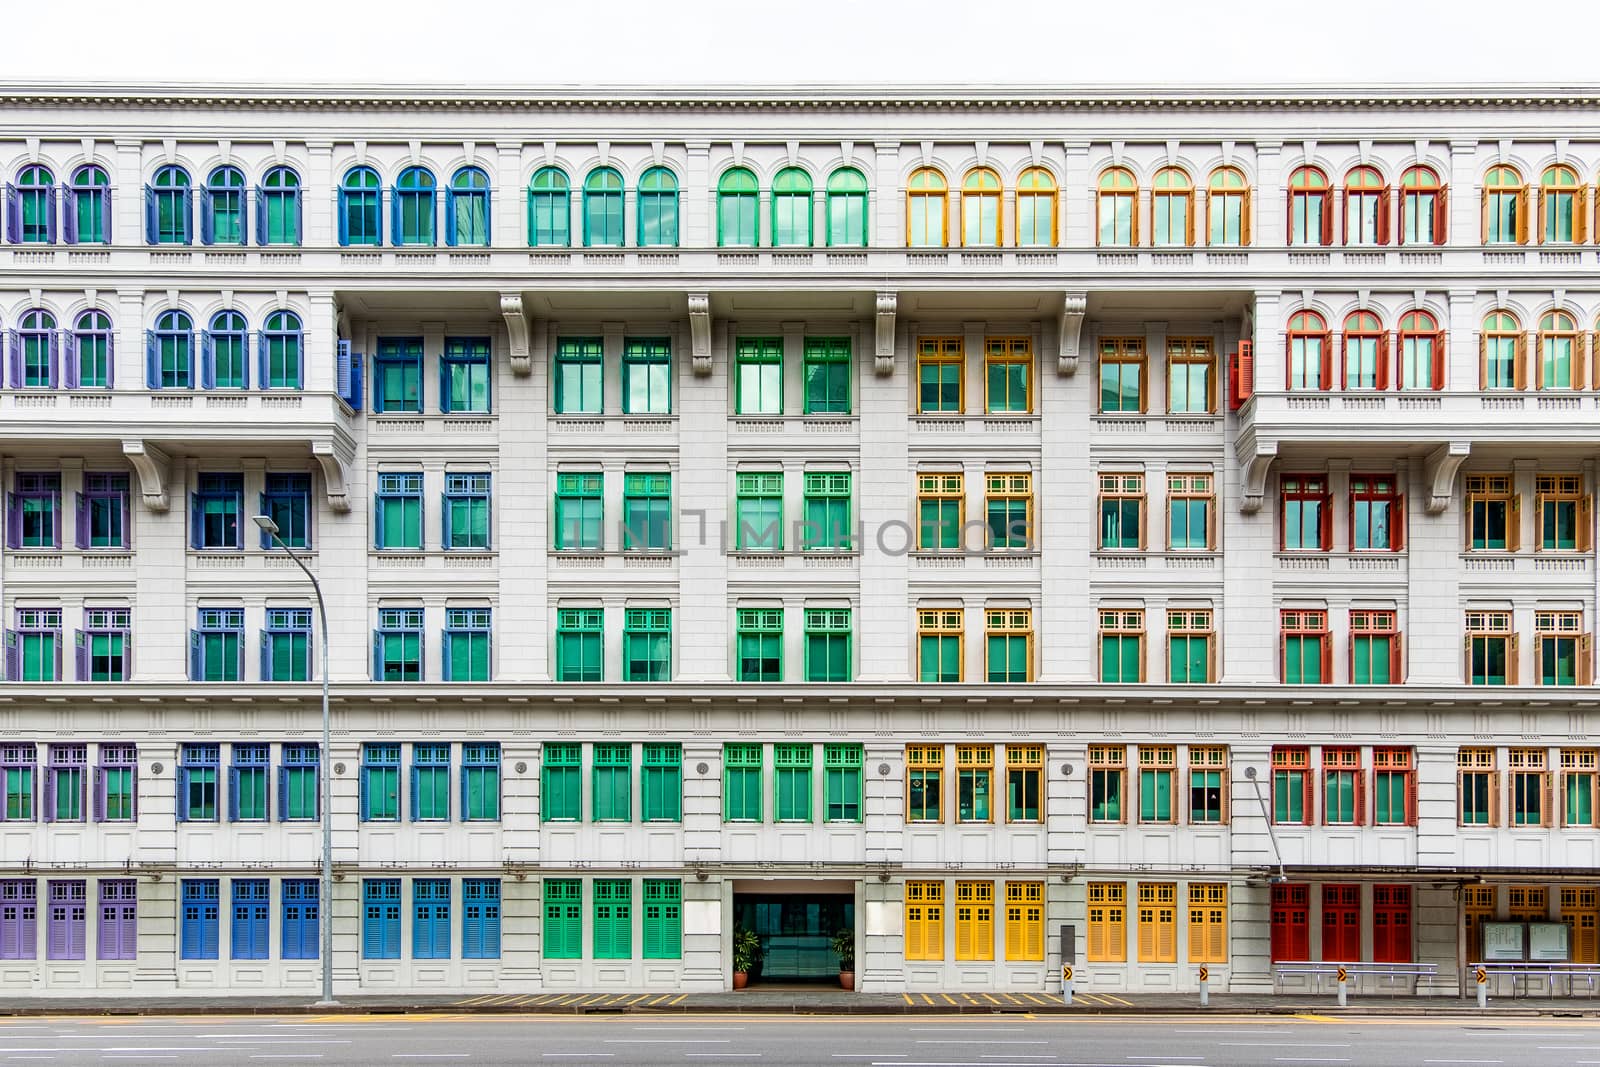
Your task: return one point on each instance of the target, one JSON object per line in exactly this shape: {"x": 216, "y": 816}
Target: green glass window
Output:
{"x": 467, "y": 641}
{"x": 647, "y": 376}
{"x": 579, "y": 508}
{"x": 1117, "y": 208}
{"x": 430, "y": 782}
{"x": 1188, "y": 658}
{"x": 827, "y": 375}
{"x": 758, "y": 511}
{"x": 841, "y": 768}
{"x": 647, "y": 511}
{"x": 35, "y": 347}
{"x": 1008, "y": 655}
{"x": 247, "y": 783}
{"x": 580, "y": 640}
{"x": 480, "y": 782}
{"x": 1505, "y": 205}
{"x": 1371, "y": 655}
{"x": 926, "y": 192}
{"x": 1105, "y": 794}
{"x": 792, "y": 770}
{"x": 286, "y": 645}
{"x": 92, "y": 349}
{"x": 579, "y": 374}
{"x": 67, "y": 779}
{"x": 35, "y": 511}
{"x": 563, "y": 919}
{"x": 1288, "y": 797}
{"x": 847, "y": 209}
{"x": 88, "y": 204}
{"x": 173, "y": 361}
{"x": 1561, "y": 205}
{"x": 282, "y": 345}
{"x": 1155, "y": 793}
{"x": 827, "y": 514}
{"x": 222, "y": 208}
{"x": 602, "y": 208}
{"x": 1339, "y": 797}
{"x": 167, "y": 204}
{"x": 980, "y": 208}
{"x": 413, "y": 207}
{"x": 662, "y": 929}
{"x": 760, "y": 642}
{"x": 613, "y": 772}
{"x": 613, "y": 919}
{"x": 1036, "y": 208}
{"x": 1121, "y": 645}
{"x": 647, "y": 645}
{"x": 360, "y": 211}
{"x": 939, "y": 645}
{"x": 758, "y": 368}
{"x": 1389, "y": 798}
{"x": 658, "y": 208}
{"x": 37, "y": 640}
{"x": 117, "y": 776}
{"x": 1302, "y": 659}
{"x": 741, "y": 786}
{"x": 736, "y": 209}
{"x": 397, "y": 645}
{"x": 1024, "y": 776}
{"x": 464, "y": 373}
{"x": 399, "y": 518}
{"x": 1122, "y": 511}
{"x": 974, "y": 782}
{"x": 925, "y": 783}
{"x": 300, "y": 767}
{"x": 561, "y": 782}
{"x": 1122, "y": 368}
{"x": 791, "y": 208}
{"x": 939, "y": 370}
{"x": 467, "y": 208}
{"x": 466, "y": 510}
{"x": 397, "y": 374}
{"x": 549, "y": 208}
{"x": 828, "y": 645}
{"x": 278, "y": 208}
{"x": 380, "y": 782}
{"x": 1205, "y": 796}
{"x": 1008, "y": 372}
{"x": 216, "y": 647}
{"x": 1225, "y": 206}
{"x": 106, "y": 633}
{"x": 661, "y": 783}
{"x": 224, "y": 361}
{"x": 16, "y": 765}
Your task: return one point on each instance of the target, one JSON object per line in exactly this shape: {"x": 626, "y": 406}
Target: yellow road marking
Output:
{"x": 1319, "y": 1018}
{"x": 1036, "y": 998}
{"x": 990, "y": 999}
{"x": 679, "y": 999}
{"x": 1119, "y": 1000}
{"x": 948, "y": 999}
{"x": 927, "y": 999}
{"x": 659, "y": 999}
{"x": 472, "y": 1000}
{"x": 908, "y": 998}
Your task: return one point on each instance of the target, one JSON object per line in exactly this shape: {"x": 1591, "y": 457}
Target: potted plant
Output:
{"x": 844, "y": 946}
{"x": 746, "y": 955}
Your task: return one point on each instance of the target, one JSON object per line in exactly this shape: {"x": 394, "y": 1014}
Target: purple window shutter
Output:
{"x": 54, "y": 372}
{"x": 80, "y": 652}
{"x": 69, "y": 215}
{"x": 80, "y": 520}
{"x": 97, "y": 800}
{"x": 127, "y": 518}
{"x": 127, "y": 655}
{"x": 14, "y": 357}
{"x": 13, "y": 657}
{"x": 13, "y": 215}
{"x": 69, "y": 358}
{"x": 108, "y": 929}
{"x": 106, "y": 214}
{"x": 49, "y": 794}
{"x": 133, "y": 786}
{"x": 50, "y": 215}
{"x": 111, "y": 360}
{"x": 13, "y": 521}
{"x": 58, "y": 676}
{"x": 261, "y": 216}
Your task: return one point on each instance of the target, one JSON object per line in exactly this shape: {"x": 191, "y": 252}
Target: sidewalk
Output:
{"x": 806, "y": 1002}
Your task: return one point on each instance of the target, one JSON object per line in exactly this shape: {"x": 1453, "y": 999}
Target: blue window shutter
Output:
{"x": 195, "y": 523}
{"x": 444, "y": 644}
{"x": 444, "y": 521}
{"x": 377, "y": 655}
{"x": 152, "y": 217}
{"x": 261, "y": 216}
{"x": 13, "y": 215}
{"x": 394, "y": 215}
{"x": 444, "y": 386}
{"x": 266, "y": 656}
{"x": 182, "y": 779}
{"x": 283, "y": 793}
{"x": 491, "y": 929}
{"x": 416, "y": 786}
{"x": 189, "y": 339}
{"x": 371, "y": 940}
{"x": 262, "y": 377}
{"x": 187, "y": 200}
{"x": 208, "y": 360}
{"x": 342, "y": 203}
{"x": 196, "y": 666}
{"x": 361, "y": 793}
{"x": 488, "y": 520}
{"x": 152, "y": 361}
{"x": 488, "y": 217}
{"x": 238, "y": 519}
{"x": 208, "y": 218}
{"x": 244, "y": 368}
{"x": 295, "y": 209}
{"x": 377, "y": 522}
{"x": 464, "y": 809}
{"x": 450, "y": 217}
{"x": 238, "y": 655}
{"x": 422, "y": 655}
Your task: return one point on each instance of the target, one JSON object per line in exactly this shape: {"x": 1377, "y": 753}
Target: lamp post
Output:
{"x": 325, "y": 896}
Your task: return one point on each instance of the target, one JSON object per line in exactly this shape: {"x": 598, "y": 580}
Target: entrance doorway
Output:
{"x": 795, "y": 931}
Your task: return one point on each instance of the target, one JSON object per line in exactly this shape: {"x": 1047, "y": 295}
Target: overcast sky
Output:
{"x": 710, "y": 41}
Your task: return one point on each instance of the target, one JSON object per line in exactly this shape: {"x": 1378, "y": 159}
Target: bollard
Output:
{"x": 1483, "y": 987}
{"x": 1344, "y": 982}
{"x": 1205, "y": 987}
{"x": 1066, "y": 985}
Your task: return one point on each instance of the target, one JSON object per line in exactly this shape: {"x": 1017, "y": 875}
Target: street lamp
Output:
{"x": 325, "y": 904}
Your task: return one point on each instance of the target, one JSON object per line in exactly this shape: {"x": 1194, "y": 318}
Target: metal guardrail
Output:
{"x": 1550, "y": 975}
{"x": 1394, "y": 973}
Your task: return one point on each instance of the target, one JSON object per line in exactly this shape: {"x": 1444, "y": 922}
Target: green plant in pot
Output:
{"x": 746, "y": 955}
{"x": 844, "y": 946}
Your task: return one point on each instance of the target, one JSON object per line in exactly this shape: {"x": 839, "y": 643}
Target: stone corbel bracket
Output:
{"x": 1256, "y": 461}
{"x": 1073, "y": 307}
{"x": 700, "y": 333}
{"x": 151, "y": 465}
{"x": 883, "y": 350}
{"x": 1440, "y": 471}
{"x": 335, "y": 462}
{"x": 517, "y": 330}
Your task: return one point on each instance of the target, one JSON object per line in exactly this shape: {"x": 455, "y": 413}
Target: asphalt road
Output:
{"x": 925, "y": 1041}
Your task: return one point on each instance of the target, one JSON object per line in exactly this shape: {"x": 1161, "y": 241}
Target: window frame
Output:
{"x": 1184, "y": 356}
{"x": 1118, "y": 628}
{"x": 1305, "y": 624}
{"x": 940, "y": 625}
{"x": 1367, "y": 624}
{"x": 1117, "y": 355}
{"x": 941, "y": 356}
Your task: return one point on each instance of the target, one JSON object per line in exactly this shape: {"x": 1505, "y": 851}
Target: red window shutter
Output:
{"x": 1243, "y": 374}
{"x": 1344, "y": 364}
{"x": 1397, "y": 526}
{"x": 1393, "y": 353}
{"x": 1439, "y": 340}
{"x": 1327, "y": 218}
{"x": 1327, "y": 658}
{"x": 1325, "y": 524}
{"x": 1396, "y": 662}
{"x": 1383, "y": 361}
{"x": 1385, "y": 207}
{"x": 1309, "y": 797}
{"x": 1361, "y": 797}
{"x": 1288, "y": 221}
{"x": 1441, "y": 215}
{"x": 1411, "y": 798}
{"x": 1288, "y": 360}
{"x": 1326, "y": 372}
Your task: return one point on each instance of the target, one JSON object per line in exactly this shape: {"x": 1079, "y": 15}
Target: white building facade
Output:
{"x": 940, "y": 516}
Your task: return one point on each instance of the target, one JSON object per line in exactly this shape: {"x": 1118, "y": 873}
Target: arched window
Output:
{"x": 222, "y": 208}
{"x": 167, "y": 202}
{"x": 1503, "y": 353}
{"x": 1366, "y": 208}
{"x": 360, "y": 215}
{"x": 1560, "y": 352}
{"x": 90, "y": 364}
{"x": 736, "y": 209}
{"x": 658, "y": 208}
{"x": 549, "y": 208}
{"x": 1505, "y": 206}
{"x": 1173, "y": 208}
{"x": 1563, "y": 206}
{"x": 466, "y": 208}
{"x": 1116, "y": 208}
{"x": 412, "y": 207}
{"x": 847, "y": 208}
{"x": 1421, "y": 352}
{"x": 1366, "y": 352}
{"x": 980, "y": 208}
{"x": 169, "y": 352}
{"x": 1036, "y": 208}
{"x": 34, "y": 360}
{"x": 1228, "y": 207}
{"x": 278, "y": 208}
{"x": 225, "y": 353}
{"x": 280, "y": 346}
{"x": 791, "y": 208}
{"x": 1310, "y": 208}
{"x": 602, "y": 207}
{"x": 31, "y": 207}
{"x": 1310, "y": 355}
{"x": 86, "y": 215}
{"x": 1422, "y": 210}
{"x": 925, "y": 209}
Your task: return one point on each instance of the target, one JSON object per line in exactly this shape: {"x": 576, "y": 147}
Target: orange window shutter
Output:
{"x": 1580, "y": 215}
{"x": 1327, "y": 219}
{"x": 1396, "y": 661}
{"x": 1383, "y": 361}
{"x": 1188, "y": 219}
{"x": 1519, "y": 372}
{"x": 1326, "y": 371}
{"x": 1361, "y": 798}
{"x": 1585, "y": 659}
{"x": 1244, "y": 218}
{"x": 1397, "y": 528}
{"x": 1385, "y": 208}
{"x": 1326, "y": 650}
{"x": 1513, "y": 658}
{"x": 1441, "y": 341}
{"x": 1441, "y": 215}
{"x": 1522, "y": 216}
{"x": 1411, "y": 798}
{"x": 1547, "y": 812}
{"x": 1485, "y": 198}
{"x": 1514, "y": 525}
{"x": 1283, "y": 658}
{"x": 1483, "y": 361}
{"x": 1247, "y": 370}
{"x": 1288, "y": 222}
{"x": 1288, "y": 357}
{"x": 1395, "y": 348}
{"x": 1585, "y": 523}
{"x": 1538, "y": 205}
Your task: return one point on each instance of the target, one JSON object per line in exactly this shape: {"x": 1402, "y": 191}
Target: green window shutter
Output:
{"x": 792, "y": 767}
{"x": 742, "y": 782}
{"x": 563, "y": 919}
{"x": 827, "y": 645}
{"x": 842, "y": 769}
{"x": 613, "y": 919}
{"x": 613, "y": 767}
{"x": 560, "y": 789}
{"x": 663, "y": 919}
{"x": 579, "y": 644}
{"x": 663, "y": 783}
